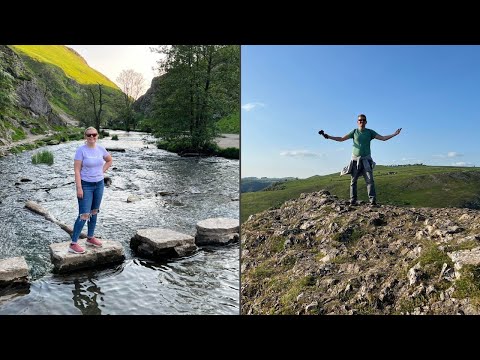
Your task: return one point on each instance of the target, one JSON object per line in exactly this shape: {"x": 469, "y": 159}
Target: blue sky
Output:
{"x": 289, "y": 93}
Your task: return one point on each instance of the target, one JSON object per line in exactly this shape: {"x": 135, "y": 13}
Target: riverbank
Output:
{"x": 225, "y": 145}
{"x": 33, "y": 141}
{"x": 228, "y": 140}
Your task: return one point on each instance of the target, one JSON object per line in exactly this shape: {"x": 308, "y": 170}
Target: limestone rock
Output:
{"x": 63, "y": 261}
{"x": 217, "y": 231}
{"x": 13, "y": 270}
{"x": 162, "y": 243}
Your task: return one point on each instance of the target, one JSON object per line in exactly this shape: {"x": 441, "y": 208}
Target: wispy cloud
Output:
{"x": 450, "y": 154}
{"x": 300, "y": 153}
{"x": 253, "y": 105}
{"x": 453, "y": 154}
{"x": 462, "y": 163}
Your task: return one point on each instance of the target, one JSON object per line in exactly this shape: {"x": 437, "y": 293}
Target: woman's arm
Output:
{"x": 77, "y": 166}
{"x": 108, "y": 162}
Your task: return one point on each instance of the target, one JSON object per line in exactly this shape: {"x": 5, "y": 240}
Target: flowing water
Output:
{"x": 197, "y": 188}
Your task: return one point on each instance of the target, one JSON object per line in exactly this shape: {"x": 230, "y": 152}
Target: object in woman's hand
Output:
{"x": 321, "y": 132}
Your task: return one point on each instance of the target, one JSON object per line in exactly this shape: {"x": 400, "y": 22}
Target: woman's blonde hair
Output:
{"x": 89, "y": 128}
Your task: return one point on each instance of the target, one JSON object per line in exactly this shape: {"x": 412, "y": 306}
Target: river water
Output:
{"x": 200, "y": 188}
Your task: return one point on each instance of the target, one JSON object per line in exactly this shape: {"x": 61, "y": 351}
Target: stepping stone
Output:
{"x": 63, "y": 261}
{"x": 217, "y": 231}
{"x": 13, "y": 270}
{"x": 162, "y": 243}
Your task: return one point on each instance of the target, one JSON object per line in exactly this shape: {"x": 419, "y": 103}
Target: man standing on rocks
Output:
{"x": 361, "y": 162}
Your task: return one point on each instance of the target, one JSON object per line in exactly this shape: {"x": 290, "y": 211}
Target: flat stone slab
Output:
{"x": 217, "y": 231}
{"x": 63, "y": 261}
{"x": 13, "y": 270}
{"x": 218, "y": 225}
{"x": 162, "y": 243}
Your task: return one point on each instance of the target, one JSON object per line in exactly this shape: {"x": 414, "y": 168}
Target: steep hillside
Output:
{"x": 319, "y": 255}
{"x": 43, "y": 90}
{"x": 68, "y": 60}
{"x": 24, "y": 107}
{"x": 432, "y": 186}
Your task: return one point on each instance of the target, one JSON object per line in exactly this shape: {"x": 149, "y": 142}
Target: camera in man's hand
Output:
{"x": 321, "y": 132}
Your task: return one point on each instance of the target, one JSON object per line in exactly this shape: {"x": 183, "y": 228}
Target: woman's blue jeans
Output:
{"x": 88, "y": 205}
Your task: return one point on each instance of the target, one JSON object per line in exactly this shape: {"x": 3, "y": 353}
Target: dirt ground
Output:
{"x": 229, "y": 140}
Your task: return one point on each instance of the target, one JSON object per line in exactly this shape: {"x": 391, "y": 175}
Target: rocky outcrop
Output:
{"x": 31, "y": 97}
{"x": 145, "y": 103}
{"x": 13, "y": 271}
{"x": 27, "y": 102}
{"x": 160, "y": 243}
{"x": 319, "y": 255}
{"x": 111, "y": 252}
{"x": 217, "y": 231}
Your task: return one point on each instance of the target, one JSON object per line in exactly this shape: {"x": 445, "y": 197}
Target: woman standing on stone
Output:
{"x": 90, "y": 163}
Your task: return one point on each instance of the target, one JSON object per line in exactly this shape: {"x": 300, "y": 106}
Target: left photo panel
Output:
{"x": 120, "y": 179}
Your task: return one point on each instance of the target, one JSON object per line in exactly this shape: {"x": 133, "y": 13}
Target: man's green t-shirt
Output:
{"x": 361, "y": 141}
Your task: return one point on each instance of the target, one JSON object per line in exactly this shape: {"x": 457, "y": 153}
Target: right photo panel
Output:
{"x": 360, "y": 185}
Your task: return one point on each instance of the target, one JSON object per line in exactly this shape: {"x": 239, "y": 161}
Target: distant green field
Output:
{"x": 72, "y": 64}
{"x": 418, "y": 186}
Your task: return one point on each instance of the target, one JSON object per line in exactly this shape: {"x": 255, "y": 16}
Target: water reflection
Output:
{"x": 85, "y": 297}
{"x": 13, "y": 291}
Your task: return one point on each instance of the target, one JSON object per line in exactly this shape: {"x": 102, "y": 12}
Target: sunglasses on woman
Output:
{"x": 91, "y": 135}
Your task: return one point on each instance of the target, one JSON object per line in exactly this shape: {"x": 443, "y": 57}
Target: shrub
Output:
{"x": 43, "y": 157}
{"x": 114, "y": 137}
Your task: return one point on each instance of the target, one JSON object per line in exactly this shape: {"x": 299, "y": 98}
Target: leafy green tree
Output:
{"x": 200, "y": 84}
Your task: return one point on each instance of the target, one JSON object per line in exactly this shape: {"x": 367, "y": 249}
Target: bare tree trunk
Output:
{"x": 38, "y": 209}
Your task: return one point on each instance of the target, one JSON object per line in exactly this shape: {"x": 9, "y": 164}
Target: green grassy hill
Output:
{"x": 418, "y": 186}
{"x": 252, "y": 184}
{"x": 68, "y": 60}
{"x": 230, "y": 124}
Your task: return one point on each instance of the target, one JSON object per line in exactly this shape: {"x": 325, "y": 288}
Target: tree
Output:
{"x": 200, "y": 84}
{"x": 91, "y": 106}
{"x": 132, "y": 84}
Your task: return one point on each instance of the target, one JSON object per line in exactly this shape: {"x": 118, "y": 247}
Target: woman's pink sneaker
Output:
{"x": 76, "y": 249}
{"x": 93, "y": 242}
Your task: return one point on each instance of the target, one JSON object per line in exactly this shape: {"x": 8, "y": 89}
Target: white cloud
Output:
{"x": 462, "y": 163}
{"x": 251, "y": 106}
{"x": 453, "y": 154}
{"x": 300, "y": 153}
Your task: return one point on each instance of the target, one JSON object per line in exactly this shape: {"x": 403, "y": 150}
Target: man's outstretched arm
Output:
{"x": 388, "y": 137}
{"x": 336, "y": 138}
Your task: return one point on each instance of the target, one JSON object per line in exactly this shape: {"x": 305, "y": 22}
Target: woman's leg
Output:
{"x": 95, "y": 207}
{"x": 84, "y": 206}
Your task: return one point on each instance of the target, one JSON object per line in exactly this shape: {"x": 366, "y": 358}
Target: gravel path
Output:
{"x": 228, "y": 140}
